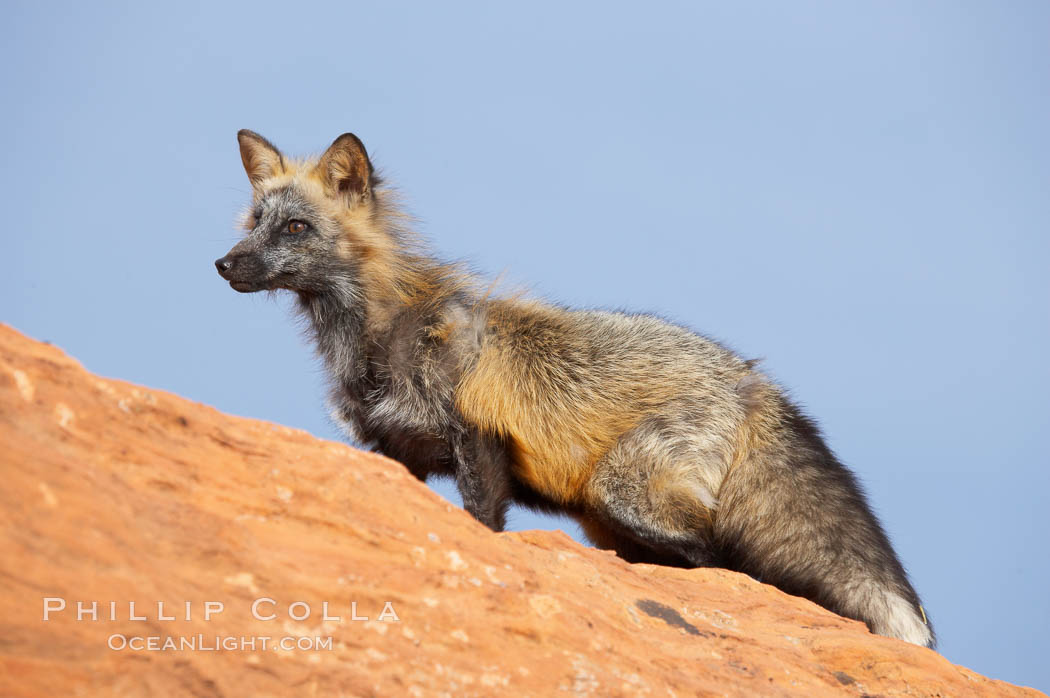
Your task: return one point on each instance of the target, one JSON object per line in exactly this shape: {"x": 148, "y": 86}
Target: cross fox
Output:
{"x": 666, "y": 447}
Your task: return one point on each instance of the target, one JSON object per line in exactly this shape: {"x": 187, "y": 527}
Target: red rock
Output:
{"x": 113, "y": 492}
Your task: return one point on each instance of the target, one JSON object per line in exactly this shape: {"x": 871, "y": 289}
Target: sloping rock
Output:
{"x": 113, "y": 493}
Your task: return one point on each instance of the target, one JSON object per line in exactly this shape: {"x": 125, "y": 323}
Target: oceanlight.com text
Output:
{"x": 216, "y": 643}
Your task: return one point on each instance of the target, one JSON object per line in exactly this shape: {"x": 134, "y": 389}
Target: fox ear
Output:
{"x": 261, "y": 159}
{"x": 345, "y": 167}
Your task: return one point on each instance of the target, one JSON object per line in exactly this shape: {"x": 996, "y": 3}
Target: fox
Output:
{"x": 664, "y": 445}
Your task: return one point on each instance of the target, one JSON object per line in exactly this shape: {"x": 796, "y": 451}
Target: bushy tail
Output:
{"x": 791, "y": 515}
{"x": 888, "y": 612}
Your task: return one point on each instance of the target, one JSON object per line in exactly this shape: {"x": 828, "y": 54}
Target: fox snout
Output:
{"x": 245, "y": 271}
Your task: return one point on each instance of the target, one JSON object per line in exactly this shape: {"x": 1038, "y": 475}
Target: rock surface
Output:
{"x": 117, "y": 493}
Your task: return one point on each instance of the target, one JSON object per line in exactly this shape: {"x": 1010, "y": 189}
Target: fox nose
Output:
{"x": 223, "y": 265}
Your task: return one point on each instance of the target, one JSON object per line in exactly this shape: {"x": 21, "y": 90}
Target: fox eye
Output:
{"x": 296, "y": 227}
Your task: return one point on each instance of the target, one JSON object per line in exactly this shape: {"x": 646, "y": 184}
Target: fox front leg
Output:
{"x": 482, "y": 471}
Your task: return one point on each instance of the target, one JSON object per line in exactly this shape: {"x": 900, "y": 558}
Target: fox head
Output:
{"x": 313, "y": 223}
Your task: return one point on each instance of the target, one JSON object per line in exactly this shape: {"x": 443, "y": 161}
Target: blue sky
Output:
{"x": 855, "y": 191}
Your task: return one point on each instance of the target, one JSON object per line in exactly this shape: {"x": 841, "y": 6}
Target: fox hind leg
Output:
{"x": 608, "y": 536}
{"x": 648, "y": 498}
